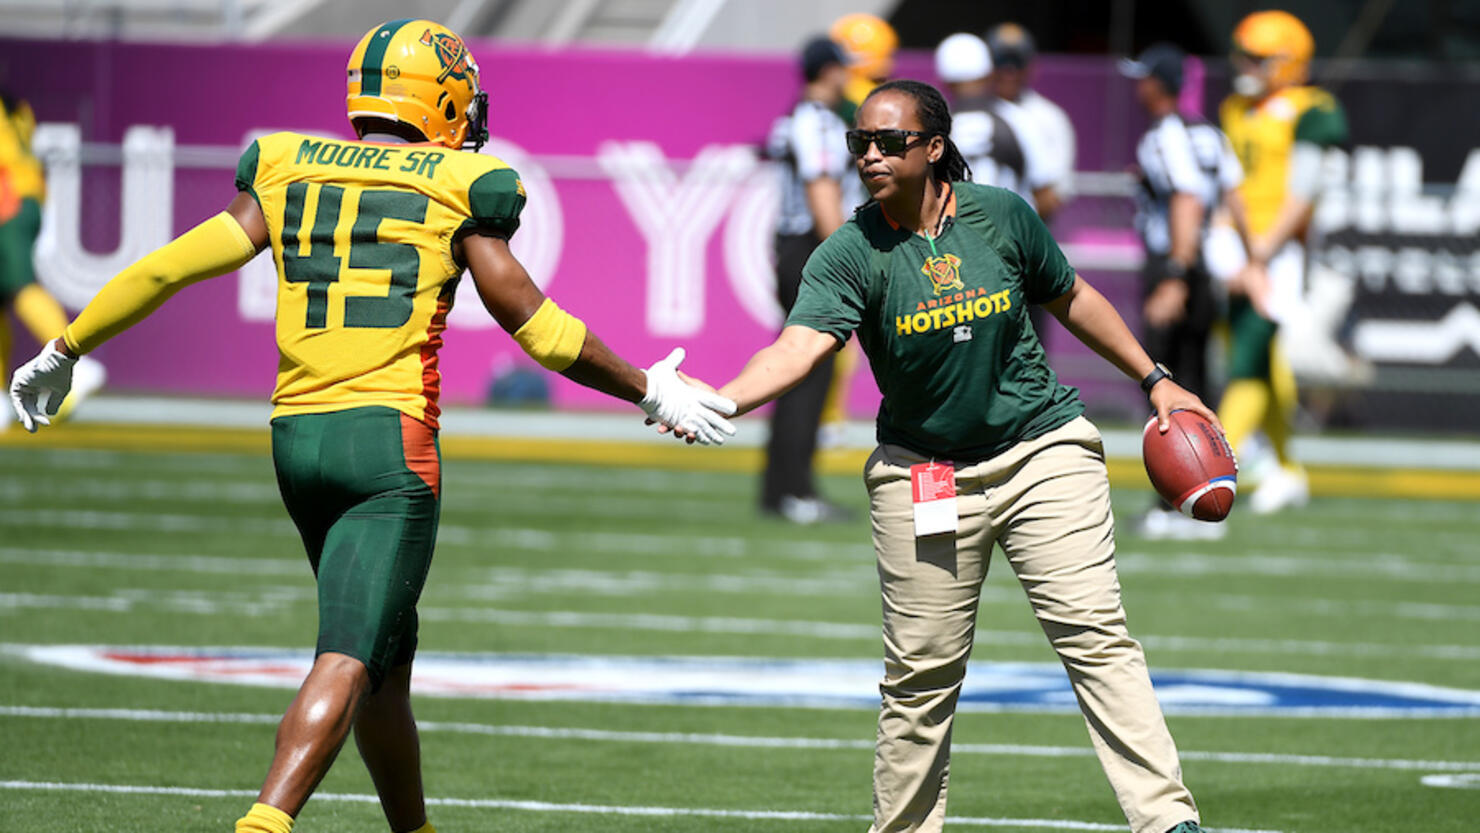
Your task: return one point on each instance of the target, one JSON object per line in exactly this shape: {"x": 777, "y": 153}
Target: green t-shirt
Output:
{"x": 946, "y": 331}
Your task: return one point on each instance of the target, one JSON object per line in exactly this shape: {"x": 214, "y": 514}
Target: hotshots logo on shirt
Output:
{"x": 944, "y": 273}
{"x": 953, "y": 310}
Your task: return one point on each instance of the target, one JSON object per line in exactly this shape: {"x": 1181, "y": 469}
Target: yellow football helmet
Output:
{"x": 870, "y": 43}
{"x": 419, "y": 73}
{"x": 1280, "y": 42}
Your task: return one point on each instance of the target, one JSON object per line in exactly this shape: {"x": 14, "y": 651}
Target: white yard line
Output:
{"x": 509, "y": 499}
{"x": 586, "y": 809}
{"x": 484, "y": 537}
{"x": 197, "y": 602}
{"x": 208, "y": 564}
{"x": 741, "y": 741}
{"x": 1366, "y": 565}
{"x": 517, "y": 582}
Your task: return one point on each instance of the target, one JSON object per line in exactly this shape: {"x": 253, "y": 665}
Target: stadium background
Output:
{"x": 151, "y": 520}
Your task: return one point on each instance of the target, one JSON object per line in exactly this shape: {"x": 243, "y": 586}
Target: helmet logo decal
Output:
{"x": 452, "y": 54}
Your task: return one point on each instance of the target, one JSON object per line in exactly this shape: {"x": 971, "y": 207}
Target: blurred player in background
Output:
{"x": 22, "y": 190}
{"x": 1280, "y": 127}
{"x": 811, "y": 143}
{"x": 370, "y": 238}
{"x": 1013, "y": 52}
{"x": 992, "y": 134}
{"x": 870, "y": 43}
{"x": 1187, "y": 168}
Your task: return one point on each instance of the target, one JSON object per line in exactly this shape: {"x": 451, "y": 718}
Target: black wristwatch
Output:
{"x": 1156, "y": 375}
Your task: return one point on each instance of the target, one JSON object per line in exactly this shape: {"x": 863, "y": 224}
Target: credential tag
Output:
{"x": 934, "y": 488}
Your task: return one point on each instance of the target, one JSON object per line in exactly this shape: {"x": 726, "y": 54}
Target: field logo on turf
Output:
{"x": 765, "y": 682}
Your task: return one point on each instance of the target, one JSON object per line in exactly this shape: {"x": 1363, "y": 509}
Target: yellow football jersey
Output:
{"x": 24, "y": 177}
{"x": 1264, "y": 133}
{"x": 362, "y": 237}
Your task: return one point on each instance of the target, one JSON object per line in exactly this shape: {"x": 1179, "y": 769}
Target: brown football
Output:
{"x": 1191, "y": 465}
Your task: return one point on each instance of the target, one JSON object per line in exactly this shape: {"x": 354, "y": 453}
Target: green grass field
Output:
{"x": 194, "y": 549}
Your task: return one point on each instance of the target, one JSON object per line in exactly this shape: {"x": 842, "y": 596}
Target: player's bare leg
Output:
{"x": 313, "y": 729}
{"x": 385, "y": 732}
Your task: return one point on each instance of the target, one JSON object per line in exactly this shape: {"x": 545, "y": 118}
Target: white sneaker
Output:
{"x": 1283, "y": 488}
{"x": 88, "y": 377}
{"x": 1170, "y": 525}
{"x": 1256, "y": 460}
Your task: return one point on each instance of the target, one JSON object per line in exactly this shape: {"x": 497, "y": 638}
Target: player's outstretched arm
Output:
{"x": 1093, "y": 320}
{"x": 779, "y": 367}
{"x": 559, "y": 341}
{"x": 221, "y": 244}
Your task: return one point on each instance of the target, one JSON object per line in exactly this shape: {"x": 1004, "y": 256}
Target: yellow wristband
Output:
{"x": 552, "y": 337}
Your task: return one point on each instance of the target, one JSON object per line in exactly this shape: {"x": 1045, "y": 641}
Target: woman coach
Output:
{"x": 935, "y": 276}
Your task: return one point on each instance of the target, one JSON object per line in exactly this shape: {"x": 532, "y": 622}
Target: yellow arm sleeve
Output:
{"x": 552, "y": 337}
{"x": 215, "y": 247}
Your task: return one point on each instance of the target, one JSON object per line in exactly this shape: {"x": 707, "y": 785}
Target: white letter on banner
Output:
{"x": 147, "y": 207}
{"x": 676, "y": 217}
{"x": 749, "y": 242}
{"x": 538, "y": 243}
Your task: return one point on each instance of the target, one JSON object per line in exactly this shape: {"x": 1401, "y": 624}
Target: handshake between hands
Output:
{"x": 688, "y": 408}
{"x": 685, "y": 406}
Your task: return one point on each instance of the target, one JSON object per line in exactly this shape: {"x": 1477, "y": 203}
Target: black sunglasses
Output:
{"x": 890, "y": 142}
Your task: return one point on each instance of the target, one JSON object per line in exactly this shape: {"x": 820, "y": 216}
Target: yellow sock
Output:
{"x": 263, "y": 818}
{"x": 1242, "y": 409}
{"x": 40, "y": 312}
{"x": 1284, "y": 399}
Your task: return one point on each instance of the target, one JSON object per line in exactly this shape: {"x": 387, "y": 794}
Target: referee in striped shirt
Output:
{"x": 1187, "y": 169}
{"x": 818, "y": 192}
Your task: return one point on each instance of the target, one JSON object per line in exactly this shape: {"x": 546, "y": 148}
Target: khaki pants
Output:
{"x": 1047, "y": 502}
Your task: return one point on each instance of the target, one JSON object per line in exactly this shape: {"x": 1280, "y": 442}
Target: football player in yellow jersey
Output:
{"x": 22, "y": 190}
{"x": 369, "y": 238}
{"x": 870, "y": 43}
{"x": 1280, "y": 127}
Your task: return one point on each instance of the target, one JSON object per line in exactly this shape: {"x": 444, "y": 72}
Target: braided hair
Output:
{"x": 935, "y": 117}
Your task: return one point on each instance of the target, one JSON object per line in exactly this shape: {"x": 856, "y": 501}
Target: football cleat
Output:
{"x": 419, "y": 73}
{"x": 1284, "y": 488}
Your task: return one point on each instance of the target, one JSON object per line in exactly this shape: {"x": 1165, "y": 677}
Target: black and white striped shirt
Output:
{"x": 993, "y": 136}
{"x": 1180, "y": 154}
{"x": 810, "y": 142}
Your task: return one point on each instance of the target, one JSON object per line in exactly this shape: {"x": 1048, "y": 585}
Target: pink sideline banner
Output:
{"x": 649, "y": 213}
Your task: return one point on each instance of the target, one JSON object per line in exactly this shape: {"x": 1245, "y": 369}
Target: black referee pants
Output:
{"x": 797, "y": 414}
{"x": 1183, "y": 346}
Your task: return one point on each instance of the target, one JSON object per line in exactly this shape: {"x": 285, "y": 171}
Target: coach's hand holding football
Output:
{"x": 692, "y": 412}
{"x": 1167, "y": 396}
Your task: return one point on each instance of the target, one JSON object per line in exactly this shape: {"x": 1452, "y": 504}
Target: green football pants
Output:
{"x": 363, "y": 487}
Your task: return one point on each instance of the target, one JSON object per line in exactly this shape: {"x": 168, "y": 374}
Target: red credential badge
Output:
{"x": 934, "y": 487}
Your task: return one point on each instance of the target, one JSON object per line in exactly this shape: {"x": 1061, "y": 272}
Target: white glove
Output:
{"x": 681, "y": 406}
{"x": 39, "y": 386}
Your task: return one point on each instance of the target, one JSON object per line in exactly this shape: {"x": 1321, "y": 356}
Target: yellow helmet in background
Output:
{"x": 869, "y": 41}
{"x": 419, "y": 73}
{"x": 1279, "y": 40}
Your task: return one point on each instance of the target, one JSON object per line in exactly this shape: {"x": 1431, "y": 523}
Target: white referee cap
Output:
{"x": 962, "y": 57}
